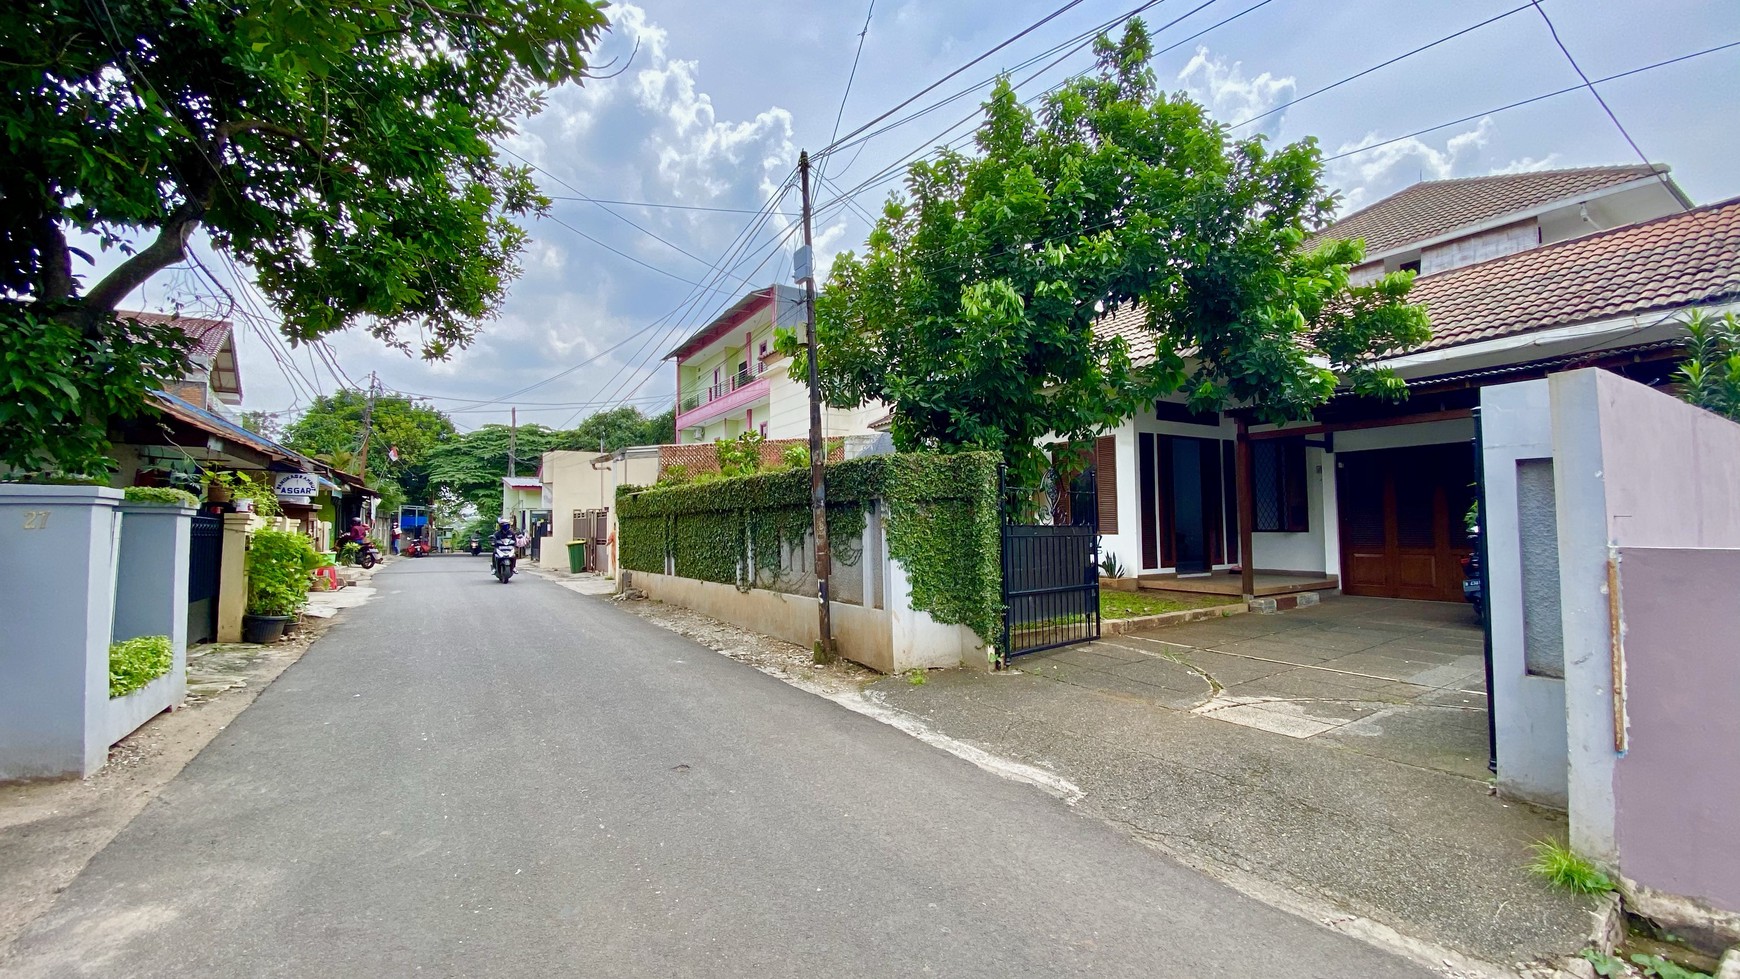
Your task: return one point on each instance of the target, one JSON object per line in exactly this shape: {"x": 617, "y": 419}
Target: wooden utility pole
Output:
{"x": 513, "y": 441}
{"x": 824, "y": 651}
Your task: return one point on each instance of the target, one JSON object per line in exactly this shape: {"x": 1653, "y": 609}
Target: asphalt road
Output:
{"x": 467, "y": 779}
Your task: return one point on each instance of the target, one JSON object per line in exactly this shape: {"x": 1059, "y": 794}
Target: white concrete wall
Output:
{"x": 1306, "y": 550}
{"x": 1528, "y": 709}
{"x": 1481, "y": 247}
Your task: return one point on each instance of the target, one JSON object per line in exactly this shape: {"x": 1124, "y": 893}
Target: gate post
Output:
{"x": 233, "y": 577}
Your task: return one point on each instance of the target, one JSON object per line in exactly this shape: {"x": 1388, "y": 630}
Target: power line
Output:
{"x": 1382, "y": 64}
{"x": 609, "y": 248}
{"x": 1528, "y": 101}
{"x": 677, "y": 207}
{"x": 1604, "y": 106}
{"x": 851, "y": 76}
{"x": 933, "y": 86}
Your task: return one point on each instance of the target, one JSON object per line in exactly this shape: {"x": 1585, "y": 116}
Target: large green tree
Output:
{"x": 473, "y": 464}
{"x": 978, "y": 309}
{"x": 340, "y": 150}
{"x": 619, "y": 428}
{"x": 332, "y": 429}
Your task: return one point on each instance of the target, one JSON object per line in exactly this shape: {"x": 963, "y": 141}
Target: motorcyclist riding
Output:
{"x": 504, "y": 532}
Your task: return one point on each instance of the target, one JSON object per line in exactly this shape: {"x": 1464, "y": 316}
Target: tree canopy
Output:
{"x": 978, "y": 310}
{"x": 341, "y": 151}
{"x": 620, "y": 428}
{"x": 332, "y": 429}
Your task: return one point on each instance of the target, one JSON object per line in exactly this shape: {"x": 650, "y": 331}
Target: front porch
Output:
{"x": 1264, "y": 583}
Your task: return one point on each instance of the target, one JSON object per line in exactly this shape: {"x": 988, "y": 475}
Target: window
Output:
{"x": 1278, "y": 486}
{"x": 764, "y": 430}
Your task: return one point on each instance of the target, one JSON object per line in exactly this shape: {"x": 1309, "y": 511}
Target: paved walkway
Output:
{"x": 1337, "y": 752}
{"x": 470, "y": 779}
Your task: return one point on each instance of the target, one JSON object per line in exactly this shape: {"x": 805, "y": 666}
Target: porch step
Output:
{"x": 1268, "y": 583}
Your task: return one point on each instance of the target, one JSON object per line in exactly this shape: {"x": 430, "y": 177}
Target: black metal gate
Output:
{"x": 205, "y": 560}
{"x": 1051, "y": 582}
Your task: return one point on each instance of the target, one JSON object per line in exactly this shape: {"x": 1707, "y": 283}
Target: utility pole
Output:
{"x": 513, "y": 441}
{"x": 804, "y": 268}
{"x": 368, "y": 413}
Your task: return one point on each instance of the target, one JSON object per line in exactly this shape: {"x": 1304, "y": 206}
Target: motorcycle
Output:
{"x": 502, "y": 564}
{"x": 1473, "y": 582}
{"x": 367, "y": 554}
{"x": 418, "y": 547}
{"x": 476, "y": 547}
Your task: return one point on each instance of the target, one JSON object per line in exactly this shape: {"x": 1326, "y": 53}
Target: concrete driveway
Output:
{"x": 1405, "y": 680}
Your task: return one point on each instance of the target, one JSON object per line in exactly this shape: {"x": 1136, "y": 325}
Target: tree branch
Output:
{"x": 169, "y": 248}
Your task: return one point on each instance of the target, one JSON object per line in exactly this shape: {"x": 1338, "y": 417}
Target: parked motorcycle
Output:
{"x": 367, "y": 554}
{"x": 1473, "y": 581}
{"x": 503, "y": 561}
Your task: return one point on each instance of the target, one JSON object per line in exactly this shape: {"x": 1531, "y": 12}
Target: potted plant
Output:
{"x": 160, "y": 496}
{"x": 279, "y": 564}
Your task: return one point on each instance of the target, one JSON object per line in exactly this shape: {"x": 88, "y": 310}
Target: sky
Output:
{"x": 714, "y": 99}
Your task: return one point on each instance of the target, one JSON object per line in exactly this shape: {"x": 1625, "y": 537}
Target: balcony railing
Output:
{"x": 713, "y": 392}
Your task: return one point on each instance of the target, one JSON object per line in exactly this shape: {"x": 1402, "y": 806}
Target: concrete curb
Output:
{"x": 1119, "y": 627}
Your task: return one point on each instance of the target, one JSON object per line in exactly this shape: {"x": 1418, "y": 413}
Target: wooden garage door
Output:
{"x": 1401, "y": 520}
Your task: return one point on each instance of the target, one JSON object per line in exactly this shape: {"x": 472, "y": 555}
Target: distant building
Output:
{"x": 730, "y": 380}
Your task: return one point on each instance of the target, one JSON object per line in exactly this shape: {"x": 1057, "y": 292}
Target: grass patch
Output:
{"x": 136, "y": 662}
{"x": 1555, "y": 863}
{"x": 1131, "y": 604}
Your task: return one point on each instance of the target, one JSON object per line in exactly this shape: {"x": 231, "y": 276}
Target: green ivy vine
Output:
{"x": 941, "y": 515}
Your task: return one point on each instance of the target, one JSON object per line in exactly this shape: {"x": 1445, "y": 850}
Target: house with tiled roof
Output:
{"x": 212, "y": 375}
{"x": 1522, "y": 275}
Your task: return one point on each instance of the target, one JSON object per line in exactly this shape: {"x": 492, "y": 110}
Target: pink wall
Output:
{"x": 1677, "y": 788}
{"x": 1667, "y": 496}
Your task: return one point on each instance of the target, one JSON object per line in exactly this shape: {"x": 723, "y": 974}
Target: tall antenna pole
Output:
{"x": 824, "y": 651}
{"x": 368, "y": 414}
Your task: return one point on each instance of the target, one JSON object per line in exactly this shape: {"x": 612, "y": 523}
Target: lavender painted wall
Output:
{"x": 1639, "y": 470}
{"x": 1677, "y": 787}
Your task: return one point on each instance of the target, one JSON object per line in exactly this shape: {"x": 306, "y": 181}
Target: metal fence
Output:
{"x": 1051, "y": 584}
{"x": 205, "y": 560}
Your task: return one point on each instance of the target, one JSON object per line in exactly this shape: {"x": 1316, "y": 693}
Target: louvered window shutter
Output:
{"x": 1106, "y": 481}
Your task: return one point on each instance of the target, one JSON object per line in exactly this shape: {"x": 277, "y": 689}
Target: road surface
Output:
{"x": 467, "y": 779}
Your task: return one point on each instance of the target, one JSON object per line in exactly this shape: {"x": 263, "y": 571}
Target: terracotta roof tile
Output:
{"x": 1436, "y": 207}
{"x": 206, "y": 337}
{"x": 1669, "y": 263}
{"x": 1655, "y": 267}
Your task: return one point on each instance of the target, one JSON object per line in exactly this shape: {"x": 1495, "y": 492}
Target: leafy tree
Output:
{"x": 1710, "y": 376}
{"x": 619, "y": 428}
{"x": 331, "y": 429}
{"x": 343, "y": 151}
{"x": 974, "y": 310}
{"x": 263, "y": 423}
{"x": 472, "y": 465}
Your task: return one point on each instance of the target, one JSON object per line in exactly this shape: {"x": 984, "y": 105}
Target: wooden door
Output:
{"x": 1401, "y": 521}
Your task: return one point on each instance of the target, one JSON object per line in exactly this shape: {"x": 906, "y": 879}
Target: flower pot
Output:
{"x": 217, "y": 493}
{"x": 263, "y": 629}
{"x": 245, "y": 505}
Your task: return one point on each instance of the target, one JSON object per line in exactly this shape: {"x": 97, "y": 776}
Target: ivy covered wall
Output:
{"x": 940, "y": 512}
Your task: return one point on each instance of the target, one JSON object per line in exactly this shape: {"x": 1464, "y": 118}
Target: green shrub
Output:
{"x": 279, "y": 564}
{"x": 136, "y": 662}
{"x": 795, "y": 457}
{"x": 348, "y": 552}
{"x": 740, "y": 456}
{"x": 160, "y": 494}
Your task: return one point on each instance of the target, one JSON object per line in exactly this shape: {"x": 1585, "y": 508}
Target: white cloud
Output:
{"x": 1379, "y": 172}
{"x": 1228, "y": 94}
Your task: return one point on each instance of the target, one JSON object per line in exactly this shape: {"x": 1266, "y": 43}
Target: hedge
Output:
{"x": 942, "y": 525}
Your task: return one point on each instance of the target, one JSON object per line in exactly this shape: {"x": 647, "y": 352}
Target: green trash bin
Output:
{"x": 576, "y": 556}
